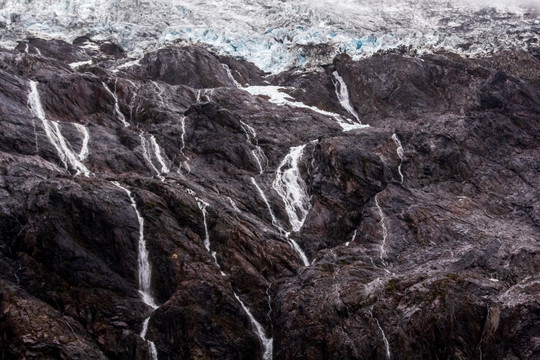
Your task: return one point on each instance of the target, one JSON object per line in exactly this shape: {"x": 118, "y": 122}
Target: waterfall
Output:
{"x": 157, "y": 155}
{"x": 132, "y": 100}
{"x": 263, "y": 196}
{"x": 52, "y": 130}
{"x": 144, "y": 271}
{"x": 277, "y": 225}
{"x": 385, "y": 340}
{"x": 119, "y": 114}
{"x": 352, "y": 239}
{"x": 151, "y": 346}
{"x": 400, "y": 153}
{"x": 233, "y": 204}
{"x": 292, "y": 189}
{"x": 278, "y": 97}
{"x": 258, "y": 152}
{"x": 160, "y": 93}
{"x": 382, "y": 251}
{"x": 202, "y": 206}
{"x": 83, "y": 154}
{"x": 266, "y": 342}
{"x": 183, "y": 163}
{"x": 230, "y": 75}
{"x": 342, "y": 94}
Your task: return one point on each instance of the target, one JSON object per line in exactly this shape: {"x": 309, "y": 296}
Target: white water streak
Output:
{"x": 294, "y": 245}
{"x": 83, "y": 154}
{"x": 263, "y": 196}
{"x": 342, "y": 93}
{"x": 159, "y": 157}
{"x": 151, "y": 345}
{"x": 292, "y": 189}
{"x": 183, "y": 137}
{"x": 202, "y": 206}
{"x": 78, "y": 64}
{"x": 229, "y": 73}
{"x": 400, "y": 153}
{"x": 145, "y": 269}
{"x": 277, "y": 96}
{"x": 385, "y": 340}
{"x": 382, "y": 251}
{"x": 160, "y": 93}
{"x": 352, "y": 238}
{"x": 233, "y": 204}
{"x": 119, "y": 114}
{"x": 157, "y": 154}
{"x": 266, "y": 342}
{"x": 52, "y": 130}
{"x": 258, "y": 152}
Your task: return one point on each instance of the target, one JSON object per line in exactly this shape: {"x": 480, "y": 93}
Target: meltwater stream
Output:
{"x": 144, "y": 270}
{"x": 258, "y": 152}
{"x": 342, "y": 93}
{"x": 119, "y": 114}
{"x": 294, "y": 245}
{"x": 292, "y": 189}
{"x": 154, "y": 149}
{"x": 52, "y": 130}
{"x": 266, "y": 342}
{"x": 277, "y": 96}
{"x": 400, "y": 153}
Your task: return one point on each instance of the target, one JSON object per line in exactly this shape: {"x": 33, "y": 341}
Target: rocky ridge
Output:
{"x": 416, "y": 237}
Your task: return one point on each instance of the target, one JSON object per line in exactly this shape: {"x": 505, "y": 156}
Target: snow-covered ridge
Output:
{"x": 276, "y": 34}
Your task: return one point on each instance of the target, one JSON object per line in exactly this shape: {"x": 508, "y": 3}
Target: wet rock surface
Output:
{"x": 422, "y": 231}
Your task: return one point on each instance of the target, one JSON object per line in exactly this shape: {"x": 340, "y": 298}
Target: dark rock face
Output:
{"x": 422, "y": 230}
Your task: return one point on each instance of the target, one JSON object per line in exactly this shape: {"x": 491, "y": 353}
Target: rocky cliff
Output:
{"x": 191, "y": 206}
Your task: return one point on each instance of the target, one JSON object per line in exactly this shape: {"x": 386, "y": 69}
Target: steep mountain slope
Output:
{"x": 185, "y": 207}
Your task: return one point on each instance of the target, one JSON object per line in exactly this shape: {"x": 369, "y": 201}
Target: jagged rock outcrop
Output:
{"x": 422, "y": 231}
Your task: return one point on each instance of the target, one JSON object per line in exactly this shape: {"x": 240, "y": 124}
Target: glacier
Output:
{"x": 277, "y": 35}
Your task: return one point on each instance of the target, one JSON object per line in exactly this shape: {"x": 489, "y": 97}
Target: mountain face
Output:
{"x": 190, "y": 205}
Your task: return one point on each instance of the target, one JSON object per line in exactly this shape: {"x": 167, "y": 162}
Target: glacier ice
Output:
{"x": 274, "y": 34}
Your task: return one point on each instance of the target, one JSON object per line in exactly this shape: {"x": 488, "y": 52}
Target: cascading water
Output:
{"x": 352, "y": 238}
{"x": 52, "y": 130}
{"x": 144, "y": 271}
{"x": 342, "y": 93}
{"x": 229, "y": 73}
{"x": 151, "y": 345}
{"x": 184, "y": 162}
{"x": 266, "y": 342}
{"x": 156, "y": 151}
{"x": 157, "y": 154}
{"x": 258, "y": 152}
{"x": 382, "y": 250}
{"x": 259, "y": 330}
{"x": 119, "y": 114}
{"x": 400, "y": 153}
{"x": 202, "y": 206}
{"x": 278, "y": 226}
{"x": 277, "y": 96}
{"x": 384, "y": 338}
{"x": 292, "y": 189}
{"x": 233, "y": 204}
{"x": 83, "y": 154}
